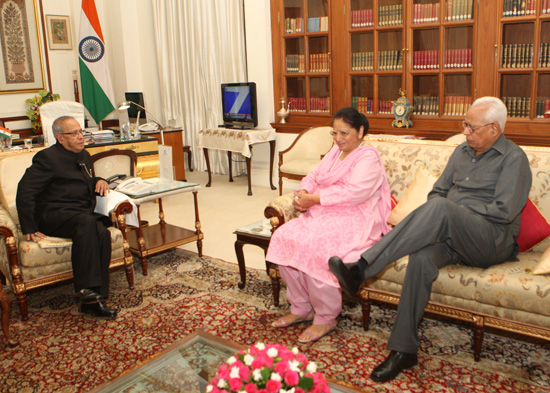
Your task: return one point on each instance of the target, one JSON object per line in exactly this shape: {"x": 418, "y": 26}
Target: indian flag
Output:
{"x": 5, "y": 133}
{"x": 97, "y": 88}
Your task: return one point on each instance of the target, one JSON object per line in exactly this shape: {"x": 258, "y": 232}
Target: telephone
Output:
{"x": 134, "y": 186}
{"x": 149, "y": 127}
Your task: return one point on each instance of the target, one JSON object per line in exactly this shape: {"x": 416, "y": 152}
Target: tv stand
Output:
{"x": 239, "y": 141}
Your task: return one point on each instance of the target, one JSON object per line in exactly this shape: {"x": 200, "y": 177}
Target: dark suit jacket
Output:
{"x": 58, "y": 185}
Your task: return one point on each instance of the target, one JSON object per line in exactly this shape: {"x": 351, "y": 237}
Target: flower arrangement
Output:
{"x": 34, "y": 103}
{"x": 268, "y": 369}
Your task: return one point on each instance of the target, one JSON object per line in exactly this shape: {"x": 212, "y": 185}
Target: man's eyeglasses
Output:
{"x": 344, "y": 133}
{"x": 471, "y": 127}
{"x": 74, "y": 133}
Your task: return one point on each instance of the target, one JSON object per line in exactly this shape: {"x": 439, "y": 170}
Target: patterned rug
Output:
{"x": 62, "y": 350}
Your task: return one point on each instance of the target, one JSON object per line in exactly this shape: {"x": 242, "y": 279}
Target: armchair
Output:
{"x": 28, "y": 265}
{"x": 304, "y": 154}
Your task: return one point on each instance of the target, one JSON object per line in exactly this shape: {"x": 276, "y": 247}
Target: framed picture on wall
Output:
{"x": 59, "y": 32}
{"x": 22, "y": 68}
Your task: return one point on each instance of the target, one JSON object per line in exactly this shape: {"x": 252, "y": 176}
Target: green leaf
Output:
{"x": 306, "y": 383}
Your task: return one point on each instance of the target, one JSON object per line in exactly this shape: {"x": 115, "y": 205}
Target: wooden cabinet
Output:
{"x": 443, "y": 53}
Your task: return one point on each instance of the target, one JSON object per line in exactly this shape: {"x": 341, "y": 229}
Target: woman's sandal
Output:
{"x": 282, "y": 323}
{"x": 314, "y": 337}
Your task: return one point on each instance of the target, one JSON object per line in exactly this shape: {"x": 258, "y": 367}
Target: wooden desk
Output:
{"x": 240, "y": 141}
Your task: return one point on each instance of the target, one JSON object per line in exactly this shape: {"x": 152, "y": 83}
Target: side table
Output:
{"x": 259, "y": 234}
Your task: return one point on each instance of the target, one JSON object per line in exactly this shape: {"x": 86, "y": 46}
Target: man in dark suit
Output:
{"x": 56, "y": 197}
{"x": 472, "y": 217}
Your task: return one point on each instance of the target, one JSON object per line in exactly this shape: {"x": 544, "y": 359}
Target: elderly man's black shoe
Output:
{"x": 393, "y": 365}
{"x": 98, "y": 309}
{"x": 88, "y": 295}
{"x": 349, "y": 275}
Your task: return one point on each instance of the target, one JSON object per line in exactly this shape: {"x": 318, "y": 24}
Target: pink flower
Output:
{"x": 301, "y": 358}
{"x": 250, "y": 388}
{"x": 273, "y": 386}
{"x": 223, "y": 372}
{"x": 235, "y": 384}
{"x": 244, "y": 373}
{"x": 292, "y": 378}
{"x": 299, "y": 390}
{"x": 281, "y": 367}
{"x": 258, "y": 363}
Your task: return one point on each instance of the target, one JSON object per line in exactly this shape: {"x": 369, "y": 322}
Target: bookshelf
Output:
{"x": 444, "y": 53}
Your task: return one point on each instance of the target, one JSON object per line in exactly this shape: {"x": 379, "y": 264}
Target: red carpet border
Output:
{"x": 62, "y": 350}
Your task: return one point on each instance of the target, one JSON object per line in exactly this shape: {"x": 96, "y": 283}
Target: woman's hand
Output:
{"x": 303, "y": 201}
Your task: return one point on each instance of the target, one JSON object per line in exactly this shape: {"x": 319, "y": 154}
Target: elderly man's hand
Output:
{"x": 34, "y": 236}
{"x": 102, "y": 187}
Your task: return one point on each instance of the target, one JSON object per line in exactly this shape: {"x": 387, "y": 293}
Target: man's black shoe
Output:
{"x": 349, "y": 275}
{"x": 88, "y": 295}
{"x": 393, "y": 365}
{"x": 98, "y": 309}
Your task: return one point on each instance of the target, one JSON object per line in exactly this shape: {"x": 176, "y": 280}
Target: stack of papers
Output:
{"x": 102, "y": 134}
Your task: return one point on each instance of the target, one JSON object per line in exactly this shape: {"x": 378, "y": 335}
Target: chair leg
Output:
{"x": 187, "y": 149}
{"x": 478, "y": 340}
{"x": 365, "y": 307}
{"x": 23, "y": 306}
{"x": 5, "y": 304}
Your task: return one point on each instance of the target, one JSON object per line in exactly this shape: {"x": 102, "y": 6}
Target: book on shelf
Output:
{"x": 319, "y": 104}
{"x": 517, "y": 106}
{"x": 361, "y": 18}
{"x": 293, "y": 25}
{"x": 543, "y": 106}
{"x": 426, "y": 13}
{"x": 425, "y": 105}
{"x": 513, "y": 8}
{"x": 517, "y": 56}
{"x": 544, "y": 54}
{"x": 456, "y": 105}
{"x": 297, "y": 104}
{"x": 390, "y": 15}
{"x": 458, "y": 10}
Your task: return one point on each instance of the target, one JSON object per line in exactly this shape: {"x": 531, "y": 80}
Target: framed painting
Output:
{"x": 59, "y": 32}
{"x": 22, "y": 65}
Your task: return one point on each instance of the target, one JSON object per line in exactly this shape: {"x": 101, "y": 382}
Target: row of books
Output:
{"x": 425, "y": 105}
{"x": 316, "y": 104}
{"x": 384, "y": 107}
{"x": 517, "y": 56}
{"x": 362, "y": 61}
{"x": 457, "y": 105}
{"x": 390, "y": 15}
{"x": 544, "y": 54}
{"x": 519, "y": 7}
{"x": 295, "y": 63}
{"x": 545, "y": 7}
{"x": 542, "y": 107}
{"x": 459, "y": 10}
{"x": 361, "y": 18}
{"x": 319, "y": 62}
{"x": 294, "y": 25}
{"x": 425, "y": 59}
{"x": 517, "y": 106}
{"x": 426, "y": 13}
{"x": 390, "y": 60}
{"x": 317, "y": 24}
{"x": 363, "y": 104}
{"x": 458, "y": 58}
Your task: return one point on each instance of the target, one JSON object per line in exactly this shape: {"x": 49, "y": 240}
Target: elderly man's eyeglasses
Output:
{"x": 344, "y": 133}
{"x": 472, "y": 128}
{"x": 74, "y": 133}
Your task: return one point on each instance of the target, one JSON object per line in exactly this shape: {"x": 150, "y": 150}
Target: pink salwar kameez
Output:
{"x": 355, "y": 205}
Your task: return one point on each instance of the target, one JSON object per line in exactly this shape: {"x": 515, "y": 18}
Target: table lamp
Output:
{"x": 123, "y": 105}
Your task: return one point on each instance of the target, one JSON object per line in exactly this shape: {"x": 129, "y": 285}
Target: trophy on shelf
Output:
{"x": 283, "y": 113}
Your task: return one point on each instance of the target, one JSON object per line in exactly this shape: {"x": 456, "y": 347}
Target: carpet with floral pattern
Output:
{"x": 62, "y": 350}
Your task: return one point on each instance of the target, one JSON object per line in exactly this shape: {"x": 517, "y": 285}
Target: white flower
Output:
{"x": 257, "y": 374}
{"x": 222, "y": 383}
{"x": 294, "y": 365}
{"x": 276, "y": 377}
{"x": 234, "y": 373}
{"x": 231, "y": 360}
{"x": 260, "y": 346}
{"x": 272, "y": 352}
{"x": 295, "y": 351}
{"x": 287, "y": 391}
{"x": 311, "y": 367}
{"x": 209, "y": 388}
{"x": 248, "y": 359}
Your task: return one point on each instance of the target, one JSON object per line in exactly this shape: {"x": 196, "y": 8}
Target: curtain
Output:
{"x": 200, "y": 44}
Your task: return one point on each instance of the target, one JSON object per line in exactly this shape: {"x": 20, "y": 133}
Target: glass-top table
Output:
{"x": 186, "y": 366}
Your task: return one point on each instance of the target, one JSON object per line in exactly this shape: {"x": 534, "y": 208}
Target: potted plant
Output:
{"x": 34, "y": 103}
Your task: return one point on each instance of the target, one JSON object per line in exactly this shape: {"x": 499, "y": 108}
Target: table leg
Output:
{"x": 230, "y": 166}
{"x": 271, "y": 158}
{"x": 141, "y": 244}
{"x": 5, "y": 304}
{"x": 197, "y": 224}
{"x": 205, "y": 150}
{"x": 249, "y": 175}
{"x": 240, "y": 258}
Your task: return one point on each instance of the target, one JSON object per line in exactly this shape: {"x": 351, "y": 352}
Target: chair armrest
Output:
{"x": 119, "y": 213}
{"x": 281, "y": 210}
{"x": 9, "y": 258}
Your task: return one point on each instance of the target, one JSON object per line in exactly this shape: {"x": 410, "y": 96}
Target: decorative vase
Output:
{"x": 283, "y": 113}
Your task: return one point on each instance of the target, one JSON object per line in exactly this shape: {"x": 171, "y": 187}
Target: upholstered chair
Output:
{"x": 54, "y": 109}
{"x": 28, "y": 265}
{"x": 304, "y": 154}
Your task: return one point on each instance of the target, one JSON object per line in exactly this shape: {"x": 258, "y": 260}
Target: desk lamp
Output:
{"x": 126, "y": 104}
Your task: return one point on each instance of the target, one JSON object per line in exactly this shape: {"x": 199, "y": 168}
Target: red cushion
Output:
{"x": 393, "y": 202}
{"x": 533, "y": 229}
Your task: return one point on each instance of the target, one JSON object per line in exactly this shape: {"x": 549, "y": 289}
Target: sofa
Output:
{"x": 509, "y": 296}
{"x": 28, "y": 265}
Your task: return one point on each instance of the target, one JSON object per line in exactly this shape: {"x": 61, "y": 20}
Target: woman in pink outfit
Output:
{"x": 345, "y": 202}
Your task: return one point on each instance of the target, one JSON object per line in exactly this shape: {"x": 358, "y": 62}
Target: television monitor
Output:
{"x": 239, "y": 105}
{"x": 133, "y": 110}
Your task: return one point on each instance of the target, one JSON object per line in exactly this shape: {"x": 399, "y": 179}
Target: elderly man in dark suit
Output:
{"x": 472, "y": 217}
{"x": 56, "y": 197}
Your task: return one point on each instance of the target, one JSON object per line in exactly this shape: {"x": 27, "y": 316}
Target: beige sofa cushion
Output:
{"x": 543, "y": 267}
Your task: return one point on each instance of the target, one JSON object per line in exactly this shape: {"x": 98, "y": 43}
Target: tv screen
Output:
{"x": 239, "y": 105}
{"x": 133, "y": 110}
